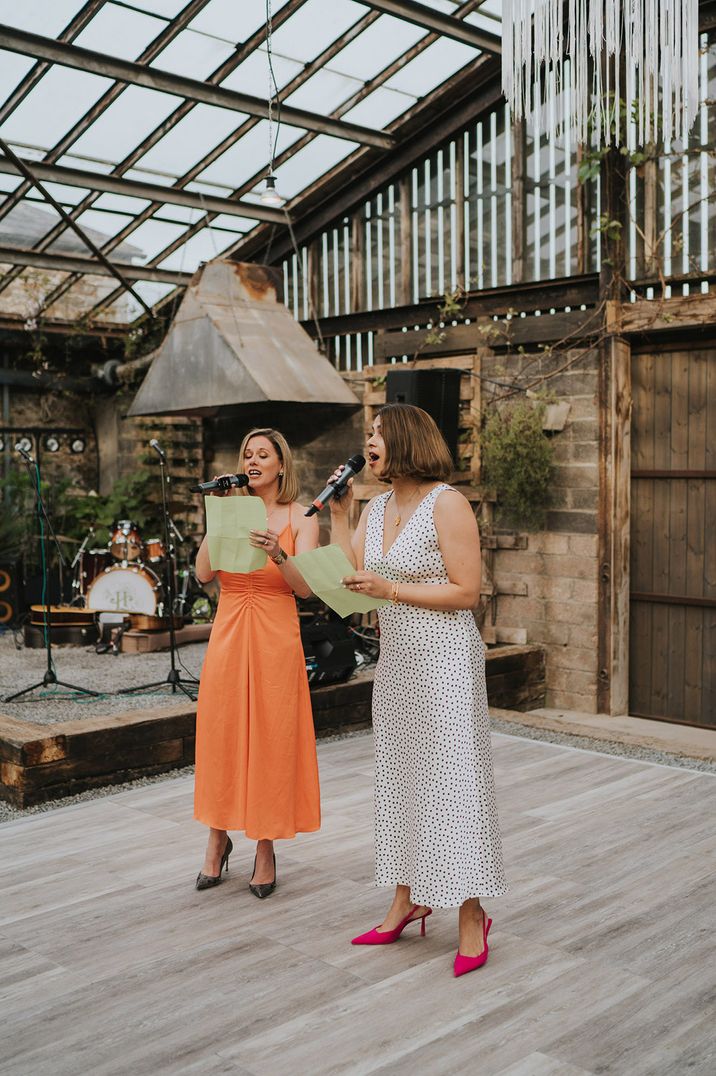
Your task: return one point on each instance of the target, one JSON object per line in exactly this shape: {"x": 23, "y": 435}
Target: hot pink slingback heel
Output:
{"x": 463, "y": 964}
{"x": 385, "y": 937}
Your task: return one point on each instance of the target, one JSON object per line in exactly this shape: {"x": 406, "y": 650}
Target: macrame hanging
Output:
{"x": 575, "y": 72}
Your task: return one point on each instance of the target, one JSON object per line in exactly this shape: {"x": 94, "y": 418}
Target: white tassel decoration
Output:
{"x": 657, "y": 40}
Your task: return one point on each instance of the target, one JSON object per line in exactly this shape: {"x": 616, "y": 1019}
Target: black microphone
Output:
{"x": 24, "y": 453}
{"x": 158, "y": 449}
{"x": 224, "y": 483}
{"x": 336, "y": 489}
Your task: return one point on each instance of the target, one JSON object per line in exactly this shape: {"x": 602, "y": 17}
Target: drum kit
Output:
{"x": 123, "y": 577}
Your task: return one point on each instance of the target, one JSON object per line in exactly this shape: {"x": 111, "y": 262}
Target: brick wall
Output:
{"x": 557, "y": 570}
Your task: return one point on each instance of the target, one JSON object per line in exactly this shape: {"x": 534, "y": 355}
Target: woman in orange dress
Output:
{"x": 256, "y": 767}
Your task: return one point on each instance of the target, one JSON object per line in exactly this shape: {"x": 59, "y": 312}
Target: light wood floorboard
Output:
{"x": 603, "y": 956}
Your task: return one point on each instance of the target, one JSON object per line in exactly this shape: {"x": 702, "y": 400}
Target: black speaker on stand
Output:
{"x": 436, "y": 391}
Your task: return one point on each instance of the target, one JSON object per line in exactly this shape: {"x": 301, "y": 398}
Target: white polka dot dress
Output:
{"x": 436, "y": 826}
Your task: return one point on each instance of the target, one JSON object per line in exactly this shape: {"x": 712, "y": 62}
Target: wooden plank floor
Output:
{"x": 603, "y": 955}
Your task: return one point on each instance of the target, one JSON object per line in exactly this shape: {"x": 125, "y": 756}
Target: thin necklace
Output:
{"x": 398, "y": 518}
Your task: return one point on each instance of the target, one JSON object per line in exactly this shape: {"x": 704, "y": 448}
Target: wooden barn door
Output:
{"x": 673, "y": 536}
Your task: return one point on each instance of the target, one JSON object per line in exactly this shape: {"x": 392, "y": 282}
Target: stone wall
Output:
{"x": 550, "y": 587}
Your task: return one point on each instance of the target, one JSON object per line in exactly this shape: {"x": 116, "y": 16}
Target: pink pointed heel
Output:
{"x": 463, "y": 964}
{"x": 385, "y": 937}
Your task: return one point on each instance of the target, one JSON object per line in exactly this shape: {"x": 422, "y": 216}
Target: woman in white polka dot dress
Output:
{"x": 437, "y": 835}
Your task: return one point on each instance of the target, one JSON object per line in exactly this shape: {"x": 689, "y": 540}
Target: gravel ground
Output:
{"x": 98, "y": 672}
{"x": 508, "y": 728}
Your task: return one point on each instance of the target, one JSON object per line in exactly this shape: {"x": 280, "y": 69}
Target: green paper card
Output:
{"x": 228, "y": 522}
{"x": 323, "y": 570}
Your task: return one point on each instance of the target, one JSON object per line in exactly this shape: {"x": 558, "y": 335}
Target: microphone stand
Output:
{"x": 174, "y": 678}
{"x": 50, "y": 676}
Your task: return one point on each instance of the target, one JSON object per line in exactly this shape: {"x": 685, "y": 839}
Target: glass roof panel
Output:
{"x": 126, "y": 308}
{"x": 127, "y": 121}
{"x": 231, "y": 21}
{"x": 124, "y": 28}
{"x": 379, "y": 108}
{"x": 249, "y": 155}
{"x": 312, "y": 161}
{"x": 314, "y": 27}
{"x": 64, "y": 194}
{"x": 372, "y": 51}
{"x": 193, "y": 55}
{"x": 167, "y": 8}
{"x": 234, "y": 224}
{"x": 119, "y": 31}
{"x": 202, "y": 247}
{"x": 58, "y": 101}
{"x": 432, "y": 66}
{"x": 251, "y": 76}
{"x": 23, "y": 298}
{"x": 152, "y": 237}
{"x": 13, "y": 69}
{"x": 324, "y": 92}
{"x": 178, "y": 213}
{"x": 87, "y": 164}
{"x": 82, "y": 296}
{"x": 9, "y": 183}
{"x": 121, "y": 204}
{"x": 191, "y": 139}
{"x": 107, "y": 225}
{"x": 27, "y": 223}
{"x": 49, "y": 17}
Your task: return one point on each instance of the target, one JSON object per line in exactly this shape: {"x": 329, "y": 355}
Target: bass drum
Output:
{"x": 125, "y": 588}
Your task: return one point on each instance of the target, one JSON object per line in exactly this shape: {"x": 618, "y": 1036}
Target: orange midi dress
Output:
{"x": 256, "y": 767}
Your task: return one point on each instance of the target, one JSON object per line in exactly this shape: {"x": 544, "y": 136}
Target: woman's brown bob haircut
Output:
{"x": 288, "y": 486}
{"x": 414, "y": 446}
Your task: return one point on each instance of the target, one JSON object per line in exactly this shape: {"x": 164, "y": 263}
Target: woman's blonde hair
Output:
{"x": 288, "y": 487}
{"x": 414, "y": 446}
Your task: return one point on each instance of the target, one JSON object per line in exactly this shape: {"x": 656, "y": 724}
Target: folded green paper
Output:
{"x": 228, "y": 522}
{"x": 323, "y": 570}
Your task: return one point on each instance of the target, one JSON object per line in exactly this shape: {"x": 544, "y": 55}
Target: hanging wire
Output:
{"x": 273, "y": 94}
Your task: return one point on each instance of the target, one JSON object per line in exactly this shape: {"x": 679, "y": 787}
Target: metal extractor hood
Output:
{"x": 234, "y": 343}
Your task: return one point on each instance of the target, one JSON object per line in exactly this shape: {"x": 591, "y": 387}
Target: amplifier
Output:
{"x": 329, "y": 651}
{"x": 10, "y": 591}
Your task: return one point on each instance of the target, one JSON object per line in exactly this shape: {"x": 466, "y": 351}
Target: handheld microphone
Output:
{"x": 158, "y": 449}
{"x": 337, "y": 489}
{"x": 24, "y": 453}
{"x": 224, "y": 483}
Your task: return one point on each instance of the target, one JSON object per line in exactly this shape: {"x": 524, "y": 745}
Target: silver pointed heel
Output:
{"x": 208, "y": 881}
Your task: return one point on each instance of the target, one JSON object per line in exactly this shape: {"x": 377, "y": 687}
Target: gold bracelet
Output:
{"x": 395, "y": 587}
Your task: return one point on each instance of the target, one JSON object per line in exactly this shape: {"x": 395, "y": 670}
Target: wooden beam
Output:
{"x": 669, "y": 315}
{"x": 406, "y": 242}
{"x": 519, "y": 201}
{"x": 463, "y": 339}
{"x": 65, "y": 263}
{"x": 568, "y": 291}
{"x": 154, "y": 78}
{"x": 615, "y": 393}
{"x": 429, "y": 18}
{"x": 155, "y": 192}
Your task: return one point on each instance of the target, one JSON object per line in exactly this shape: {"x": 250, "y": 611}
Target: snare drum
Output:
{"x": 154, "y": 550}
{"x": 125, "y": 588}
{"x": 124, "y": 541}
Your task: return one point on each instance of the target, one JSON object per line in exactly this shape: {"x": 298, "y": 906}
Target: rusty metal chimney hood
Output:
{"x": 233, "y": 343}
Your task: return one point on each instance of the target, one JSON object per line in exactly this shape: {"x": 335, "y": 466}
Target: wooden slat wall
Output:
{"x": 673, "y": 537}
